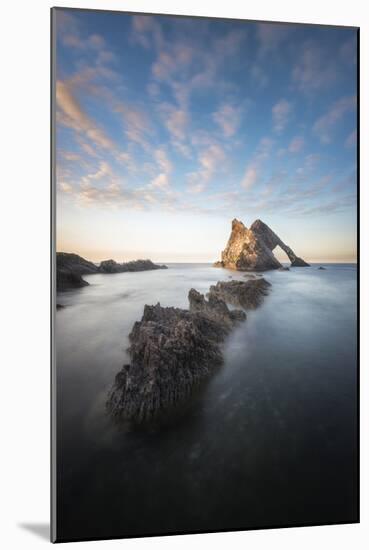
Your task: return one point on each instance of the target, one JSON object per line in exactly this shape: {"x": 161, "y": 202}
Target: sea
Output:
{"x": 269, "y": 441}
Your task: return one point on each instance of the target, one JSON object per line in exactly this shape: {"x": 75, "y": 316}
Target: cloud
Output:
{"x": 175, "y": 119}
{"x": 250, "y": 177}
{"x": 163, "y": 161}
{"x": 146, "y": 31}
{"x": 351, "y": 139}
{"x": 71, "y": 35}
{"x": 172, "y": 61}
{"x": 136, "y": 124}
{"x": 280, "y": 113}
{"x": 303, "y": 172}
{"x": 65, "y": 187}
{"x": 296, "y": 145}
{"x": 270, "y": 36}
{"x": 228, "y": 118}
{"x": 104, "y": 171}
{"x": 161, "y": 181}
{"x": 253, "y": 169}
{"x": 348, "y": 51}
{"x": 75, "y": 117}
{"x": 326, "y": 124}
{"x": 259, "y": 76}
{"x": 210, "y": 159}
{"x": 74, "y": 40}
{"x": 315, "y": 70}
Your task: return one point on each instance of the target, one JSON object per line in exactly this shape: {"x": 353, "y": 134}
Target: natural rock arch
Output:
{"x": 252, "y": 249}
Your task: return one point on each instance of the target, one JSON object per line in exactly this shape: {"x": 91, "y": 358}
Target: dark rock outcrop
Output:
{"x": 75, "y": 263}
{"x": 321, "y": 267}
{"x": 111, "y": 266}
{"x": 68, "y": 280}
{"x": 172, "y": 351}
{"x": 252, "y": 249}
{"x": 69, "y": 268}
{"x": 247, "y": 294}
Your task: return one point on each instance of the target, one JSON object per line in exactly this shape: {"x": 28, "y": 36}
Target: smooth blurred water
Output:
{"x": 270, "y": 441}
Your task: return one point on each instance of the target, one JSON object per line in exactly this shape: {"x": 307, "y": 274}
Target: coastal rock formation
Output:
{"x": 247, "y": 294}
{"x": 75, "y": 263}
{"x": 69, "y": 268}
{"x": 272, "y": 240}
{"x": 67, "y": 280}
{"x": 111, "y": 266}
{"x": 171, "y": 351}
{"x": 252, "y": 249}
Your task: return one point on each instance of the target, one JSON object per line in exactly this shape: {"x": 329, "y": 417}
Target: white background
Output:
{"x": 24, "y": 290}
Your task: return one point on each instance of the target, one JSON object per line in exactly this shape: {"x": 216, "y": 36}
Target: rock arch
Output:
{"x": 252, "y": 249}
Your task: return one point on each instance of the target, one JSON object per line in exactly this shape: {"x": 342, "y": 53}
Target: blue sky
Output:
{"x": 168, "y": 128}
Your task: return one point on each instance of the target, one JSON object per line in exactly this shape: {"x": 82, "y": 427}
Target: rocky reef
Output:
{"x": 70, "y": 268}
{"x": 69, "y": 271}
{"x": 252, "y": 249}
{"x": 111, "y": 266}
{"x": 174, "y": 350}
{"x": 245, "y": 294}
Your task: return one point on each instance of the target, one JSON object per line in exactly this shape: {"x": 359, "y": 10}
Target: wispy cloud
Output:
{"x": 228, "y": 117}
{"x": 253, "y": 169}
{"x": 296, "y": 145}
{"x": 281, "y": 112}
{"x": 270, "y": 36}
{"x": 136, "y": 123}
{"x": 315, "y": 70}
{"x": 71, "y": 35}
{"x": 251, "y": 176}
{"x": 73, "y": 116}
{"x": 161, "y": 181}
{"x": 351, "y": 139}
{"x": 210, "y": 159}
{"x": 325, "y": 125}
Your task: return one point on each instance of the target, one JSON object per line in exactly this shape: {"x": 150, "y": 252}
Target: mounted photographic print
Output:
{"x": 204, "y": 275}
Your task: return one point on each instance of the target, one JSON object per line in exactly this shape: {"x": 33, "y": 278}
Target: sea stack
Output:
{"x": 252, "y": 249}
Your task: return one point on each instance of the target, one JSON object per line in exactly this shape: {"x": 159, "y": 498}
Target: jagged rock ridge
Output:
{"x": 173, "y": 350}
{"x": 245, "y": 294}
{"x": 252, "y": 249}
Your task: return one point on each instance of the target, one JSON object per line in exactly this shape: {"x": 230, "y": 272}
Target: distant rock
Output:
{"x": 67, "y": 280}
{"x": 283, "y": 268}
{"x": 59, "y": 306}
{"x": 111, "y": 266}
{"x": 69, "y": 268}
{"x": 321, "y": 267}
{"x": 172, "y": 351}
{"x": 252, "y": 249}
{"x": 75, "y": 263}
{"x": 247, "y": 294}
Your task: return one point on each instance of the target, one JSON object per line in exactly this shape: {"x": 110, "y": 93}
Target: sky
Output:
{"x": 167, "y": 128}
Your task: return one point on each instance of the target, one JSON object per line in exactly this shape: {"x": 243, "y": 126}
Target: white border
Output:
{"x": 25, "y": 266}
